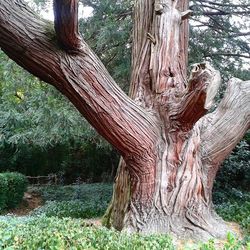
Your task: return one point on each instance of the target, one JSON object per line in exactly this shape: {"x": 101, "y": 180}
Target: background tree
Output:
{"x": 36, "y": 139}
{"x": 171, "y": 154}
{"x": 218, "y": 31}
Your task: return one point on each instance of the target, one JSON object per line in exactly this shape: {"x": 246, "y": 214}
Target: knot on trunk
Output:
{"x": 160, "y": 8}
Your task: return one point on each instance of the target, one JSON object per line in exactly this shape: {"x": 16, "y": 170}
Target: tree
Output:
{"x": 171, "y": 148}
{"x": 213, "y": 36}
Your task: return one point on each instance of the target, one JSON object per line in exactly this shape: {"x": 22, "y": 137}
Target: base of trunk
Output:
{"x": 154, "y": 221}
{"x": 179, "y": 226}
{"x": 194, "y": 219}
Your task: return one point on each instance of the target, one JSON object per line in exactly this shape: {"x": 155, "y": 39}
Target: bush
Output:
{"x": 12, "y": 188}
{"x": 235, "y": 171}
{"x": 3, "y": 191}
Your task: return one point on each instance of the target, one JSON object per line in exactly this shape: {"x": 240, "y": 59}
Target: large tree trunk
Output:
{"x": 170, "y": 149}
{"x": 175, "y": 195}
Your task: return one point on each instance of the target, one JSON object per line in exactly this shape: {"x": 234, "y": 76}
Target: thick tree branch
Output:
{"x": 66, "y": 23}
{"x": 202, "y": 87}
{"x": 31, "y": 42}
{"x": 140, "y": 79}
{"x": 222, "y": 129}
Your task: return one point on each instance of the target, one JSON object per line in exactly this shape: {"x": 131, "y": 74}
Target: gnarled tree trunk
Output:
{"x": 171, "y": 149}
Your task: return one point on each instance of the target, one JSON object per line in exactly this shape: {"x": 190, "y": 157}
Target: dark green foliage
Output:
{"x": 238, "y": 211}
{"x": 61, "y": 234}
{"x": 12, "y": 188}
{"x": 217, "y": 38}
{"x": 83, "y": 192}
{"x": 73, "y": 209}
{"x": 232, "y": 243}
{"x": 76, "y": 201}
{"x": 16, "y": 186}
{"x": 3, "y": 191}
{"x": 218, "y": 33}
{"x": 79, "y": 201}
{"x": 108, "y": 32}
{"x": 234, "y": 175}
{"x": 89, "y": 161}
{"x": 41, "y": 132}
{"x": 231, "y": 200}
{"x": 29, "y": 112}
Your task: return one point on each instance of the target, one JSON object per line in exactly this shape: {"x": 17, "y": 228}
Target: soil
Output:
{"x": 30, "y": 202}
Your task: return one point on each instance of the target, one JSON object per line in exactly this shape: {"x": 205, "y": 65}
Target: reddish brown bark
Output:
{"x": 66, "y": 24}
{"x": 171, "y": 151}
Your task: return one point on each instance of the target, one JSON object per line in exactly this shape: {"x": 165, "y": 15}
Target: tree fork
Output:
{"x": 171, "y": 150}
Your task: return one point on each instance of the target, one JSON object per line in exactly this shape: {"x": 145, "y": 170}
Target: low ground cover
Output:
{"x": 61, "y": 223}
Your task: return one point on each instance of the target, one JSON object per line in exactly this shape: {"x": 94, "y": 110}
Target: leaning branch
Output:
{"x": 33, "y": 44}
{"x": 222, "y": 129}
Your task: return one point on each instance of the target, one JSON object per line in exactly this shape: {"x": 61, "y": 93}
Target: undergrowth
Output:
{"x": 55, "y": 225}
{"x": 42, "y": 232}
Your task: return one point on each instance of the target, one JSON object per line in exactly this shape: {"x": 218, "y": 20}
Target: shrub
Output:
{"x": 61, "y": 234}
{"x": 238, "y": 212}
{"x": 3, "y": 191}
{"x": 98, "y": 192}
{"x": 73, "y": 209}
{"x": 235, "y": 171}
{"x": 55, "y": 233}
{"x": 76, "y": 201}
{"x": 16, "y": 186}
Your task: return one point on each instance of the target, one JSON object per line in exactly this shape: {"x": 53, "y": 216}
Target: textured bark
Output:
{"x": 184, "y": 171}
{"x": 66, "y": 24}
{"x": 171, "y": 149}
